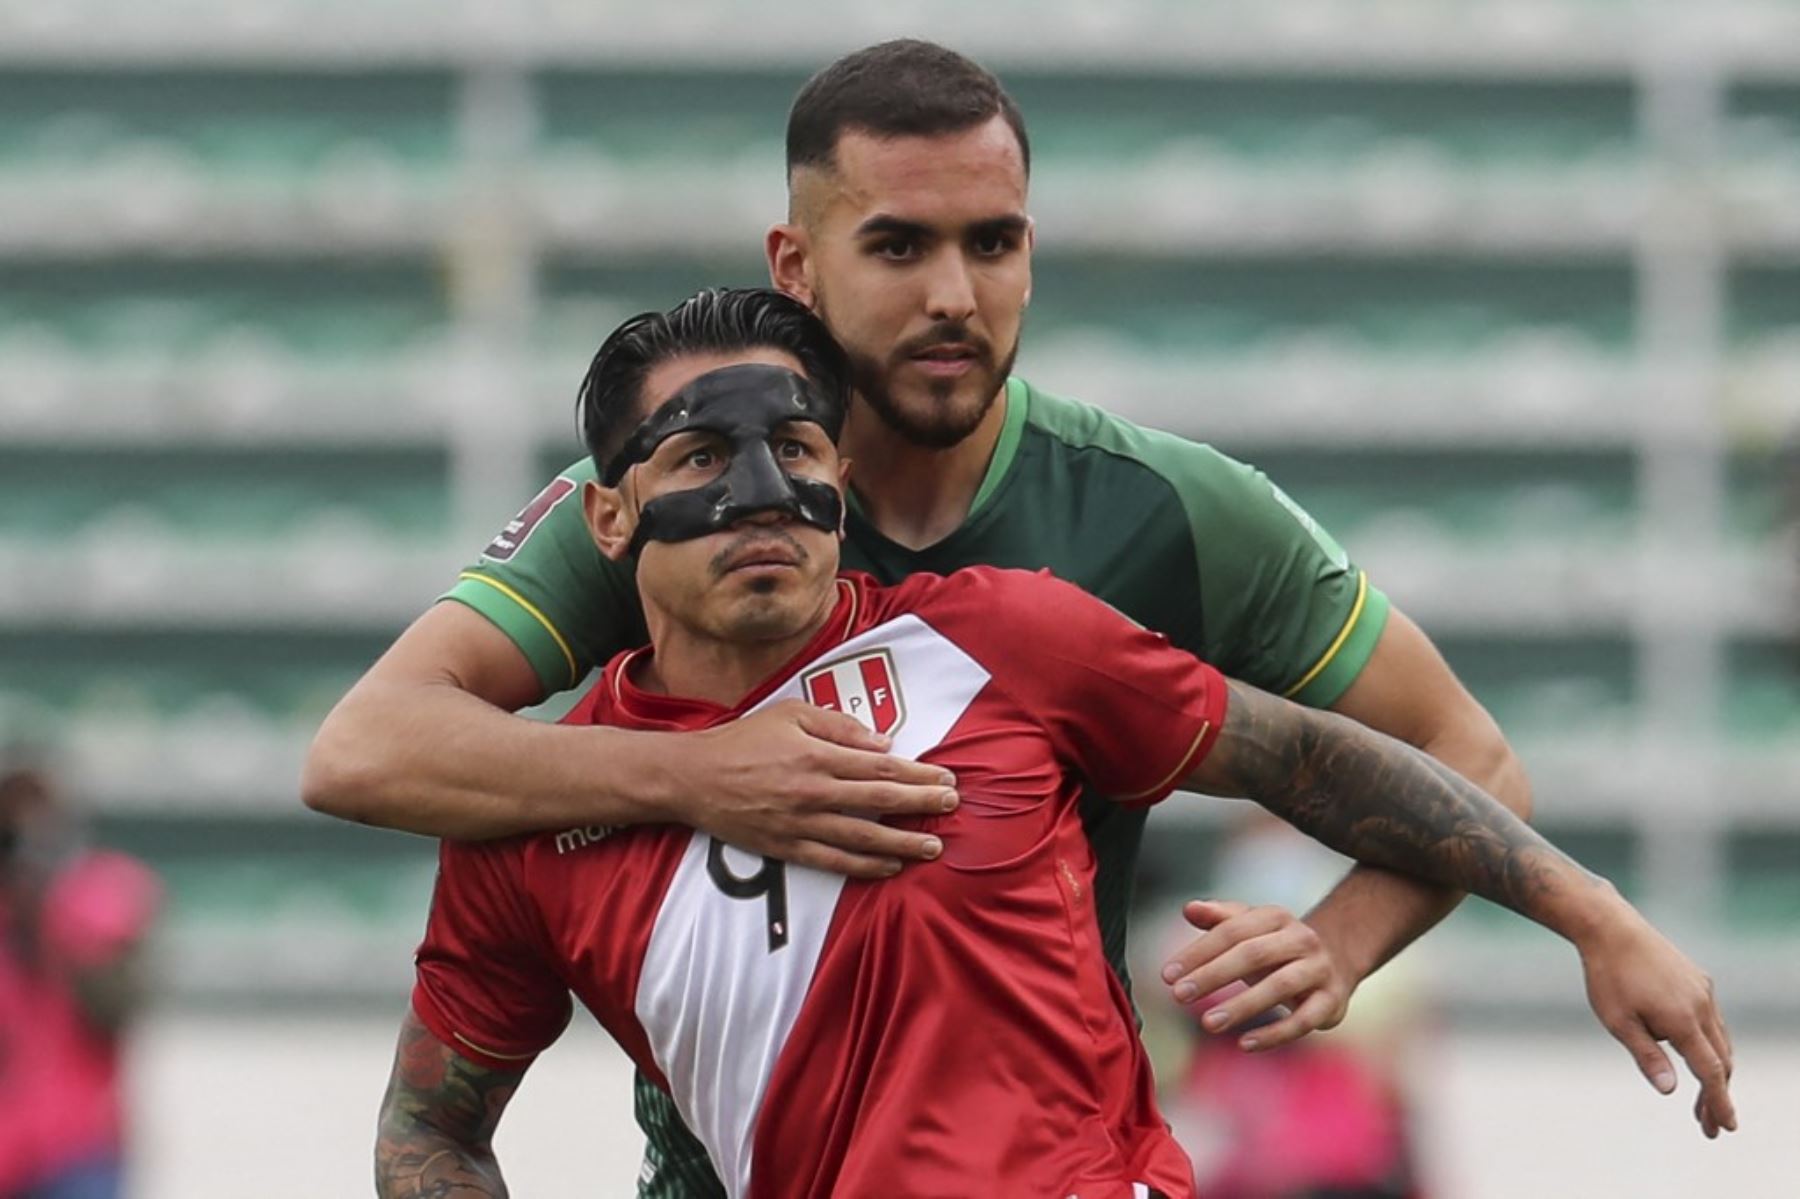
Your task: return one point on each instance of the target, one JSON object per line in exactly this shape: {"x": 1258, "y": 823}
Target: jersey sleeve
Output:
{"x": 1284, "y": 608}
{"x": 543, "y": 582}
{"x": 484, "y": 984}
{"x": 1130, "y": 712}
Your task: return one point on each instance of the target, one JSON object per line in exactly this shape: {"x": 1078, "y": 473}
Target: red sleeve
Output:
{"x": 1126, "y": 709}
{"x": 486, "y": 986}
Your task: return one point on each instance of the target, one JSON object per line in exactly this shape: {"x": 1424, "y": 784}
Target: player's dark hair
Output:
{"x": 725, "y": 320}
{"x": 902, "y": 88}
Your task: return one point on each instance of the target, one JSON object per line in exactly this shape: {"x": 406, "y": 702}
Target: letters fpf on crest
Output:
{"x": 864, "y": 687}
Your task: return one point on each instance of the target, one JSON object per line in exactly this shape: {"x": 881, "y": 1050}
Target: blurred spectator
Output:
{"x": 1325, "y": 1117}
{"x": 72, "y": 927}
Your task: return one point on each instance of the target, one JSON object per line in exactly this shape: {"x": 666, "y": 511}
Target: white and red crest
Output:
{"x": 864, "y": 687}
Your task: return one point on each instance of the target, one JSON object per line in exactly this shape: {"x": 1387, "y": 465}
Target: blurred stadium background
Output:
{"x": 294, "y": 295}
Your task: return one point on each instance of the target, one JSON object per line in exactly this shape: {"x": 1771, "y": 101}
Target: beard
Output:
{"x": 947, "y": 418}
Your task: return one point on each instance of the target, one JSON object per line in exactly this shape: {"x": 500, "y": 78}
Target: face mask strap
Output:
{"x": 779, "y": 393}
{"x": 684, "y": 515}
{"x": 744, "y": 405}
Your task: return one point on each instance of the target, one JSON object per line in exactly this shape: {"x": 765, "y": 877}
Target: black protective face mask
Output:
{"x": 744, "y": 405}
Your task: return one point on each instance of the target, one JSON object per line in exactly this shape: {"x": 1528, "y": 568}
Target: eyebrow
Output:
{"x": 892, "y": 226}
{"x": 797, "y": 425}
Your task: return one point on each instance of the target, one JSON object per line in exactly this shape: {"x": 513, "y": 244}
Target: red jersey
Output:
{"x": 954, "y": 1030}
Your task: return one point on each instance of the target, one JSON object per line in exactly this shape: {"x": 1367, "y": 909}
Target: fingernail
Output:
{"x": 1186, "y": 992}
{"x": 1663, "y": 1081}
{"x": 933, "y": 847}
{"x": 949, "y": 800}
{"x": 1171, "y": 972}
{"x": 1216, "y": 1019}
{"x": 891, "y": 869}
{"x": 1249, "y": 1044}
{"x": 948, "y": 779}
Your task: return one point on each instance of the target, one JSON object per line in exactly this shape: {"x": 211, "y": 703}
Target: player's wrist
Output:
{"x": 1373, "y": 914}
{"x": 1592, "y": 915}
{"x": 1353, "y": 951}
{"x": 648, "y": 774}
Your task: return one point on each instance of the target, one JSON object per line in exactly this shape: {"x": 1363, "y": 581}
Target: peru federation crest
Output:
{"x": 864, "y": 687}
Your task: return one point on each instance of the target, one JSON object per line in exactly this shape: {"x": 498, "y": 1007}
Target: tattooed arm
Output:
{"x": 437, "y": 1122}
{"x": 1383, "y": 802}
{"x": 1380, "y": 801}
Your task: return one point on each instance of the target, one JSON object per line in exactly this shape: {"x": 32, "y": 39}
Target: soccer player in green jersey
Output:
{"x": 908, "y": 232}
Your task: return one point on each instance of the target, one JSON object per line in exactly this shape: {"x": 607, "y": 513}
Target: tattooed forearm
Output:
{"x": 437, "y": 1122}
{"x": 1384, "y": 802}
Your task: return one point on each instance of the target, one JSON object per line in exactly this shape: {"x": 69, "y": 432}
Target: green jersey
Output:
{"x": 1176, "y": 535}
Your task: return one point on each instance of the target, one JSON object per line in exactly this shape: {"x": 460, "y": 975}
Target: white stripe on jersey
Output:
{"x": 716, "y": 1002}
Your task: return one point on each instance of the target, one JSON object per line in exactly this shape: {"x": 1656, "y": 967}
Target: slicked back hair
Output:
{"x": 721, "y": 320}
{"x": 902, "y": 88}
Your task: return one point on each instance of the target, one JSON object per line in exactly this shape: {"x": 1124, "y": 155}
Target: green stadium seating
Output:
{"x": 265, "y": 377}
{"x": 271, "y": 126}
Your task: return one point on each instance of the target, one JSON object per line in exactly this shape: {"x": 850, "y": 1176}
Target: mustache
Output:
{"x": 947, "y": 333}
{"x": 721, "y": 562}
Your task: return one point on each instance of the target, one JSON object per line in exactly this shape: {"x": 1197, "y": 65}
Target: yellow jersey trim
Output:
{"x": 1356, "y": 610}
{"x": 531, "y": 609}
{"x": 1181, "y": 767}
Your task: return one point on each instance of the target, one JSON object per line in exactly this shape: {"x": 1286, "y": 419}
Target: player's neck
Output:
{"x": 692, "y": 664}
{"x": 914, "y": 495}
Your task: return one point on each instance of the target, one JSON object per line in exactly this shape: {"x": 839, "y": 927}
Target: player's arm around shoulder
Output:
{"x": 436, "y": 1129}
{"x": 427, "y": 741}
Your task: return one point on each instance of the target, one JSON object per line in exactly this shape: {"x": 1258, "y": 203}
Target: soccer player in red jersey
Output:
{"x": 954, "y": 1030}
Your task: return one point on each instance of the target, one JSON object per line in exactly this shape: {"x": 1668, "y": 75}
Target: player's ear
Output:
{"x": 787, "y": 249}
{"x": 610, "y": 518}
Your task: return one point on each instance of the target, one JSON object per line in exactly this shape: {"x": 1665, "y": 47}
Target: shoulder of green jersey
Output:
{"x": 1081, "y": 425}
{"x": 1186, "y": 464}
{"x": 1335, "y": 553}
